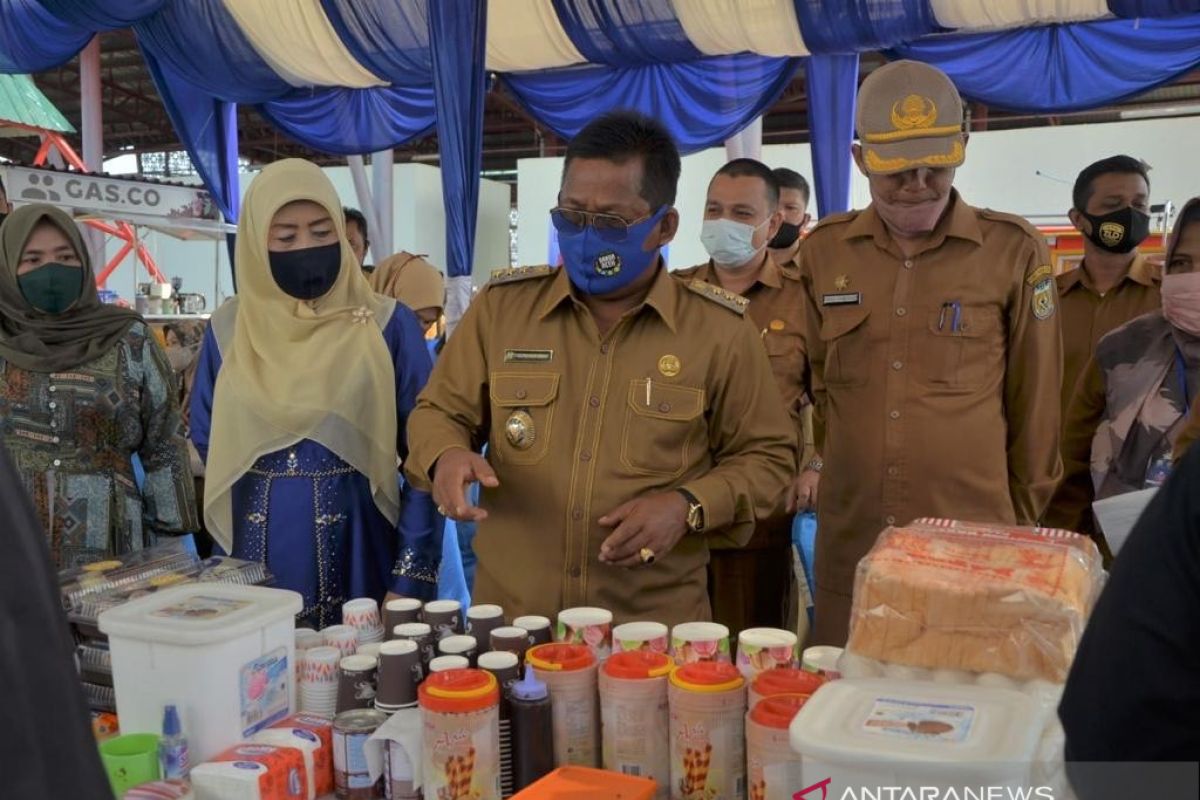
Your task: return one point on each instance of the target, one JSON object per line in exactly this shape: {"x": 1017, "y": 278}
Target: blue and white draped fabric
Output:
{"x": 344, "y": 76}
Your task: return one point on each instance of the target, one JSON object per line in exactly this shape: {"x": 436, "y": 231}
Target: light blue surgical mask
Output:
{"x": 731, "y": 243}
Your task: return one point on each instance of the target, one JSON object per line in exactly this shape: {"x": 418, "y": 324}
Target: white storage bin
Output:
{"x": 880, "y": 732}
{"x": 224, "y": 655}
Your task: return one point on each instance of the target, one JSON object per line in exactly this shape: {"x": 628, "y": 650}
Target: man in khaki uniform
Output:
{"x": 933, "y": 342}
{"x": 794, "y": 194}
{"x": 1114, "y": 283}
{"x": 751, "y": 586}
{"x": 621, "y": 407}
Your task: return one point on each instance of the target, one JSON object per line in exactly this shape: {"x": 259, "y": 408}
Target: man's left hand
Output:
{"x": 802, "y": 494}
{"x": 656, "y": 522}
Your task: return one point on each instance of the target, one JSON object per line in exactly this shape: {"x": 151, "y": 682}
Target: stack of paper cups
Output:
{"x": 319, "y": 681}
{"x": 362, "y": 614}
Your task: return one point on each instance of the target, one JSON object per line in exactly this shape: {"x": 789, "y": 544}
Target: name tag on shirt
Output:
{"x": 528, "y": 356}
{"x": 842, "y": 299}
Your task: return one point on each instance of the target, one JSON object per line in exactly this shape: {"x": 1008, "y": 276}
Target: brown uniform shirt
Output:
{"x": 1086, "y": 317}
{"x": 777, "y": 310}
{"x": 668, "y": 398}
{"x": 935, "y": 377}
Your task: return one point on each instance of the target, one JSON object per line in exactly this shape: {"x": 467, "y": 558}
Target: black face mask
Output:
{"x": 1119, "y": 231}
{"x": 309, "y": 273}
{"x": 786, "y": 237}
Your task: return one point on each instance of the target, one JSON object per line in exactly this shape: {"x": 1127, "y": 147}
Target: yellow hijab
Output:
{"x": 295, "y": 370}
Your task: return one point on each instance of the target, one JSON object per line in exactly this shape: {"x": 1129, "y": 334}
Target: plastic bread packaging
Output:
{"x": 959, "y": 598}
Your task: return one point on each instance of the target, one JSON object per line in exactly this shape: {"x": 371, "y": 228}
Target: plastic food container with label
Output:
{"x": 708, "y": 736}
{"x": 569, "y": 670}
{"x": 771, "y": 767}
{"x": 635, "y": 717}
{"x": 460, "y": 741}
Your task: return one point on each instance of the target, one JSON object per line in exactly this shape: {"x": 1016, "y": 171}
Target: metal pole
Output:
{"x": 358, "y": 171}
{"x": 381, "y": 179}
{"x": 93, "y": 127}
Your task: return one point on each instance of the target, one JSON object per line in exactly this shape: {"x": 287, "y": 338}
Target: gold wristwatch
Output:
{"x": 695, "y": 514}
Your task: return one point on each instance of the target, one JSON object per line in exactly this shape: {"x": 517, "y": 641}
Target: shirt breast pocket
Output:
{"x": 523, "y": 405}
{"x": 661, "y": 436}
{"x": 961, "y": 356}
{"x": 847, "y": 347}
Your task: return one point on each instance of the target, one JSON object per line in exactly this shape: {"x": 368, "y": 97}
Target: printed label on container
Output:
{"x": 201, "y": 607}
{"x": 263, "y": 689}
{"x": 923, "y": 721}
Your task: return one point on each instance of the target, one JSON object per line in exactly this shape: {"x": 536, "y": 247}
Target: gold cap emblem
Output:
{"x": 913, "y": 113}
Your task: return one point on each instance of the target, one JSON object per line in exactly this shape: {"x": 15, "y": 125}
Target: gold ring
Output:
{"x": 647, "y": 555}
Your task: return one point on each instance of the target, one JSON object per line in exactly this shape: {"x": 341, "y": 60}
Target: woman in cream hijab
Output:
{"x": 416, "y": 283}
{"x": 305, "y": 382}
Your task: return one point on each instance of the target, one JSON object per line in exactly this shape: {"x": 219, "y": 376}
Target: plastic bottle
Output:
{"x": 532, "y": 729}
{"x": 173, "y": 747}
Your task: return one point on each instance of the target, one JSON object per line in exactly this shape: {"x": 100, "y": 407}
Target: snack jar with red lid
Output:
{"x": 783, "y": 680}
{"x": 707, "y": 730}
{"x": 768, "y": 751}
{"x": 460, "y": 742}
{"x": 569, "y": 670}
{"x": 636, "y": 716}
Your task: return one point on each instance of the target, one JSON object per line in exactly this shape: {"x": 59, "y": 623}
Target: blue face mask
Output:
{"x": 598, "y": 266}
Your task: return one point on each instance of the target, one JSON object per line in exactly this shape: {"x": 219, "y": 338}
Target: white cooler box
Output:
{"x": 878, "y": 732}
{"x": 223, "y": 654}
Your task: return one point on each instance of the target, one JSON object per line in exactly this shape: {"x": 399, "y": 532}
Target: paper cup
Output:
{"x": 447, "y": 663}
{"x": 587, "y": 626}
{"x": 653, "y": 637}
{"x": 369, "y": 649}
{"x": 445, "y": 617}
{"x": 362, "y": 612}
{"x": 422, "y": 634}
{"x": 761, "y": 649}
{"x": 343, "y": 637}
{"x": 538, "y": 629}
{"x": 357, "y": 680}
{"x": 464, "y": 646}
{"x": 130, "y": 760}
{"x": 692, "y": 642}
{"x": 307, "y": 638}
{"x": 511, "y": 640}
{"x": 503, "y": 665}
{"x": 399, "y": 612}
{"x": 482, "y": 620}
{"x": 400, "y": 672}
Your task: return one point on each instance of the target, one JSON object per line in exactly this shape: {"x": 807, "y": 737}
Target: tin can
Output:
{"x": 351, "y": 778}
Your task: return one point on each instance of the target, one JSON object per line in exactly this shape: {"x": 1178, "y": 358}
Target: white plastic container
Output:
{"x": 223, "y": 654}
{"x": 880, "y": 732}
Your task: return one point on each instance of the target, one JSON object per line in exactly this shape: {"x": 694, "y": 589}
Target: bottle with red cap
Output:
{"x": 460, "y": 744}
{"x": 635, "y": 718}
{"x": 708, "y": 731}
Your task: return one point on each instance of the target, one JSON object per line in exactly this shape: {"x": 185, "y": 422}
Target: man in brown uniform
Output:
{"x": 621, "y": 407}
{"x": 933, "y": 342}
{"x": 1114, "y": 283}
{"x": 751, "y": 586}
{"x": 794, "y": 195}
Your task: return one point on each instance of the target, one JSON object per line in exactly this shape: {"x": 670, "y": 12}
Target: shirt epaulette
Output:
{"x": 1012, "y": 219}
{"x": 835, "y": 219}
{"x": 734, "y": 302}
{"x": 512, "y": 274}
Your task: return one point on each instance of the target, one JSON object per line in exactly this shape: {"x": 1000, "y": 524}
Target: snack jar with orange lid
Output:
{"x": 569, "y": 670}
{"x": 635, "y": 716}
{"x": 783, "y": 681}
{"x": 460, "y": 742}
{"x": 771, "y": 765}
{"x": 707, "y": 731}
{"x": 583, "y": 783}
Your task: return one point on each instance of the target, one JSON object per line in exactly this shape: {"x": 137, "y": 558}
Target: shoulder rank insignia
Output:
{"x": 512, "y": 274}
{"x": 734, "y": 302}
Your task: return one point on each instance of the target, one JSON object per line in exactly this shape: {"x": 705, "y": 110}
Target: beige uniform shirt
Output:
{"x": 1087, "y": 317}
{"x": 935, "y": 377}
{"x": 777, "y": 310}
{"x": 577, "y": 424}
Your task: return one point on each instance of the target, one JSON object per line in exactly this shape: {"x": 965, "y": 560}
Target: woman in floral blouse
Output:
{"x": 84, "y": 387}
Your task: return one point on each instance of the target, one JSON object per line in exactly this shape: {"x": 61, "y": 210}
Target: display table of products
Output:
{"x": 217, "y": 690}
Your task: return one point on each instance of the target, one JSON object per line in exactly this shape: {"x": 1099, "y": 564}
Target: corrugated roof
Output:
{"x": 21, "y": 101}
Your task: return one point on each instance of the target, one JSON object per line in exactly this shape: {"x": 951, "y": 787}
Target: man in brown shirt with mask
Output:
{"x": 933, "y": 341}
{"x": 751, "y": 586}
{"x": 1114, "y": 283}
{"x": 623, "y": 408}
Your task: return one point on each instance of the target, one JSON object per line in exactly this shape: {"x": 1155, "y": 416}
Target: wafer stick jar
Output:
{"x": 569, "y": 670}
{"x": 771, "y": 765}
{"x": 707, "y": 732}
{"x": 783, "y": 680}
{"x": 635, "y": 717}
{"x": 460, "y": 745}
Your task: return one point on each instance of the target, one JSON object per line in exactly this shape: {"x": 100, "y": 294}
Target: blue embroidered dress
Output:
{"x": 309, "y": 516}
